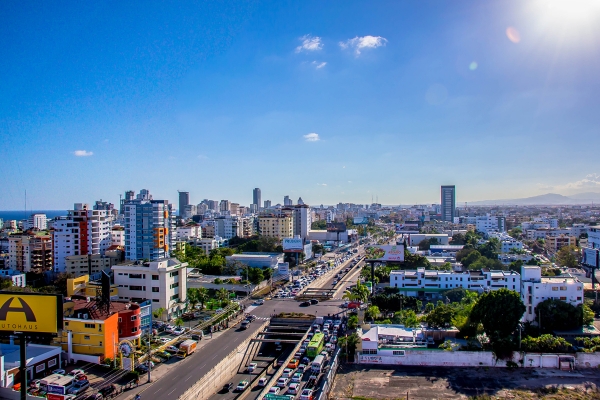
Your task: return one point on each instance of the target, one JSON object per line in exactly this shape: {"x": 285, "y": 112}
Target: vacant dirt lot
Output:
{"x": 365, "y": 382}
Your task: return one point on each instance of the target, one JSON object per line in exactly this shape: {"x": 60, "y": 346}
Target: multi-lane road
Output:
{"x": 180, "y": 378}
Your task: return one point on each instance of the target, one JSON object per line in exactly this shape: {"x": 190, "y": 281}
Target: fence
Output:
{"x": 328, "y": 381}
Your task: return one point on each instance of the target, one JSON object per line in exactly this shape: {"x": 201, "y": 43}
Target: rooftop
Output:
{"x": 82, "y": 305}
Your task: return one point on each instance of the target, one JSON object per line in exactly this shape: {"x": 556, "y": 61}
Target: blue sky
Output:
{"x": 331, "y": 101}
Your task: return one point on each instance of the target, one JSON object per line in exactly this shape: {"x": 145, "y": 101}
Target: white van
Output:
{"x": 317, "y": 364}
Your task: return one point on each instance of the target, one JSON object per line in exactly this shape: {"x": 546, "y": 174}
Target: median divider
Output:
{"x": 214, "y": 379}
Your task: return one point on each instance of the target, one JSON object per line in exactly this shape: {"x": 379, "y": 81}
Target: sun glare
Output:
{"x": 570, "y": 11}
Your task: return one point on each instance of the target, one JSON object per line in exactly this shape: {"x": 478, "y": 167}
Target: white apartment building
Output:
{"x": 189, "y": 231}
{"x": 36, "y": 221}
{"x": 117, "y": 236}
{"x": 490, "y": 223}
{"x": 594, "y": 237}
{"x": 302, "y": 219}
{"x": 84, "y": 231}
{"x": 162, "y": 281}
{"x": 229, "y": 227}
{"x": 427, "y": 283}
{"x": 536, "y": 288}
{"x": 17, "y": 278}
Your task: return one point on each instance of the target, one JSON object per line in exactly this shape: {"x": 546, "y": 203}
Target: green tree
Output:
{"x": 372, "y": 312}
{"x": 470, "y": 258}
{"x": 499, "y": 312}
{"x": 348, "y": 343}
{"x": 202, "y": 297}
{"x": 352, "y": 322}
{"x": 490, "y": 249}
{"x": 158, "y": 313}
{"x": 409, "y": 319}
{"x": 558, "y": 315}
{"x": 222, "y": 294}
{"x": 192, "y": 297}
{"x": 429, "y": 307}
{"x": 440, "y": 317}
{"x": 179, "y": 321}
{"x": 516, "y": 233}
{"x": 546, "y": 344}
{"x": 568, "y": 256}
{"x": 359, "y": 292}
{"x": 458, "y": 239}
{"x": 455, "y": 295}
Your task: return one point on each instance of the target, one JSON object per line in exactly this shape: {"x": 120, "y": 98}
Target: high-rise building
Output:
{"x": 36, "y": 221}
{"x": 256, "y": 197}
{"x": 148, "y": 228}
{"x": 83, "y": 231}
{"x": 287, "y": 201}
{"x": 184, "y": 200}
{"x": 267, "y": 204}
{"x": 224, "y": 206}
{"x": 448, "y": 203}
{"x": 30, "y": 253}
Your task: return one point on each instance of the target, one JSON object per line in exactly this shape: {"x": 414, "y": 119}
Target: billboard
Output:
{"x": 293, "y": 245}
{"x": 283, "y": 268}
{"x": 361, "y": 220}
{"x": 336, "y": 227}
{"x": 385, "y": 253}
{"x": 30, "y": 312}
{"x": 590, "y": 257}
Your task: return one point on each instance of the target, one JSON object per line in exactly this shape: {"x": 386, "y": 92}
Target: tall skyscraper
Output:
{"x": 287, "y": 201}
{"x": 184, "y": 200}
{"x": 148, "y": 228}
{"x": 256, "y": 197}
{"x": 448, "y": 203}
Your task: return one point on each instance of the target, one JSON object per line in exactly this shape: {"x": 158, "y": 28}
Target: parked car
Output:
{"x": 79, "y": 387}
{"x": 178, "y": 331}
{"x": 59, "y": 371}
{"x": 171, "y": 349}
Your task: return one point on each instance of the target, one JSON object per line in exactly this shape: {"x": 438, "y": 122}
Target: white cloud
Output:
{"x": 322, "y": 184}
{"x": 312, "y": 137}
{"x": 319, "y": 65}
{"x": 309, "y": 43}
{"x": 364, "y": 42}
{"x": 349, "y": 181}
{"x": 83, "y": 153}
{"x": 591, "y": 181}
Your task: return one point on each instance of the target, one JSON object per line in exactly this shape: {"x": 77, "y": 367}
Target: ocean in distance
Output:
{"x": 19, "y": 215}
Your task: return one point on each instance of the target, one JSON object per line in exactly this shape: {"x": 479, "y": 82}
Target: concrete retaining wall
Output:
{"x": 220, "y": 374}
{"x": 480, "y": 358}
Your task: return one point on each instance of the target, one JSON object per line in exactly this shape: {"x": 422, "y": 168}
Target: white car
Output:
{"x": 259, "y": 302}
{"x": 282, "y": 382}
{"x": 288, "y": 372}
{"x": 307, "y": 394}
{"x": 274, "y": 390}
{"x": 262, "y": 382}
{"x": 293, "y": 389}
{"x": 252, "y": 367}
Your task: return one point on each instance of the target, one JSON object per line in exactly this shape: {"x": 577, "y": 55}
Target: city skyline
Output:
{"x": 336, "y": 103}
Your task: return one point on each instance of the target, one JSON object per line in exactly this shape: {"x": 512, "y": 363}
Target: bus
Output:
{"x": 316, "y": 345}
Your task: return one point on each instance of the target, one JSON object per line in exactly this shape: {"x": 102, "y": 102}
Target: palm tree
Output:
{"x": 222, "y": 294}
{"x": 192, "y": 297}
{"x": 360, "y": 291}
{"x": 202, "y": 296}
{"x": 157, "y": 314}
{"x": 349, "y": 296}
{"x": 179, "y": 321}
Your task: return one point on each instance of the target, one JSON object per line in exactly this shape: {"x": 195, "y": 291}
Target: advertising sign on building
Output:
{"x": 336, "y": 227}
{"x": 51, "y": 396}
{"x": 590, "y": 257}
{"x": 283, "y": 268}
{"x": 293, "y": 245}
{"x": 385, "y": 253}
{"x": 29, "y": 312}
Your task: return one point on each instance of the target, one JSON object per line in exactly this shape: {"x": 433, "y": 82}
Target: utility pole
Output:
{"x": 149, "y": 353}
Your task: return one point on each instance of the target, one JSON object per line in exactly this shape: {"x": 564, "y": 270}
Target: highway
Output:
{"x": 179, "y": 379}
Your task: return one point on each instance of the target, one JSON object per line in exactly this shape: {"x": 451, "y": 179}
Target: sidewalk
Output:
{"x": 163, "y": 369}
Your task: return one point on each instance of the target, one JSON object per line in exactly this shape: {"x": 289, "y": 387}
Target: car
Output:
{"x": 301, "y": 368}
{"x": 169, "y": 328}
{"x": 333, "y": 339}
{"x": 307, "y": 394}
{"x": 196, "y": 337}
{"x": 178, "y": 331}
{"x": 314, "y": 301}
{"x": 242, "y": 385}
{"x": 252, "y": 367}
{"x": 163, "y": 354}
{"x": 251, "y": 317}
{"x": 75, "y": 372}
{"x": 274, "y": 390}
{"x": 298, "y": 354}
{"x": 227, "y": 387}
{"x": 259, "y": 302}
{"x": 59, "y": 371}
{"x": 171, "y": 349}
{"x": 305, "y": 304}
{"x": 287, "y": 372}
{"x": 293, "y": 363}
{"x": 293, "y": 389}
{"x": 297, "y": 377}
{"x": 344, "y": 304}
{"x": 262, "y": 382}
{"x": 164, "y": 340}
{"x": 94, "y": 396}
{"x": 282, "y": 382}
{"x": 79, "y": 387}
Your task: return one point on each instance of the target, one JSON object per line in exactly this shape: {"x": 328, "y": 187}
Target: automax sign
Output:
{"x": 293, "y": 245}
{"x": 29, "y": 312}
{"x": 361, "y": 220}
{"x": 385, "y": 253}
{"x": 590, "y": 257}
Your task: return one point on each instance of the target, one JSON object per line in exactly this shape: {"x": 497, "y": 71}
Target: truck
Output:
{"x": 186, "y": 348}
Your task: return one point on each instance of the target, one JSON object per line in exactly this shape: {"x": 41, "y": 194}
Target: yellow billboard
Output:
{"x": 30, "y": 312}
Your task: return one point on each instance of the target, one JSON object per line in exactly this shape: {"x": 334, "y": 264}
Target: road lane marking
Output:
{"x": 188, "y": 378}
{"x": 171, "y": 392}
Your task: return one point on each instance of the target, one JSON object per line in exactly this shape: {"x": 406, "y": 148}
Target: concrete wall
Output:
{"x": 220, "y": 374}
{"x": 479, "y": 358}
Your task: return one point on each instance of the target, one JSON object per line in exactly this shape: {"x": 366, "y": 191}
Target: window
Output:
{"x": 563, "y": 298}
{"x": 370, "y": 351}
{"x": 398, "y": 352}
{"x": 155, "y": 300}
{"x": 133, "y": 317}
{"x": 155, "y": 290}
{"x": 133, "y": 330}
{"x": 86, "y": 337}
{"x": 138, "y": 288}
{"x": 66, "y": 323}
{"x": 136, "y": 276}
{"x": 563, "y": 288}
{"x": 174, "y": 285}
{"x": 154, "y": 277}
{"x": 40, "y": 367}
{"x": 51, "y": 363}
{"x": 90, "y": 326}
{"x": 120, "y": 320}
{"x": 555, "y": 288}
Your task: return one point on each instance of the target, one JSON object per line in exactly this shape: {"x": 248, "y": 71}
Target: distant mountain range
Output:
{"x": 544, "y": 199}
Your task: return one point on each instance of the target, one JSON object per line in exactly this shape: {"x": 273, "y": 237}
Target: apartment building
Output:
{"x": 429, "y": 284}
{"x": 117, "y": 236}
{"x": 189, "y": 231}
{"x": 228, "y": 227}
{"x": 89, "y": 264}
{"x": 276, "y": 226}
{"x": 17, "y": 278}
{"x": 536, "y": 288}
{"x": 490, "y": 223}
{"x": 149, "y": 225}
{"x": 83, "y": 231}
{"x": 164, "y": 282}
{"x": 30, "y": 253}
{"x": 302, "y": 219}
{"x": 554, "y": 243}
{"x": 36, "y": 221}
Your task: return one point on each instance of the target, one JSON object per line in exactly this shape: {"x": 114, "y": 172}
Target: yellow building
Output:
{"x": 82, "y": 286}
{"x": 276, "y": 226}
{"x": 554, "y": 243}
